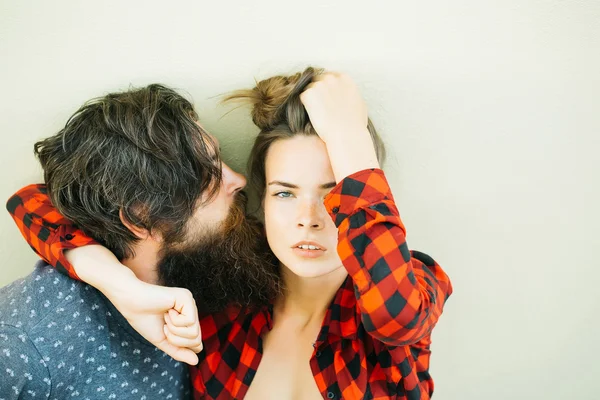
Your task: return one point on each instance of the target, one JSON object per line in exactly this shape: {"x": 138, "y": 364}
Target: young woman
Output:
{"x": 355, "y": 317}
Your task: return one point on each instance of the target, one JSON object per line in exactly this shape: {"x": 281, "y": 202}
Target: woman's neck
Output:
{"x": 307, "y": 299}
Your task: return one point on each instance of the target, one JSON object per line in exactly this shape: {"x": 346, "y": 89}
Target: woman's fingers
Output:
{"x": 194, "y": 344}
{"x": 189, "y": 332}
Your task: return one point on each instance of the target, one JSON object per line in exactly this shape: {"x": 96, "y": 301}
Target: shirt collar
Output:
{"x": 341, "y": 319}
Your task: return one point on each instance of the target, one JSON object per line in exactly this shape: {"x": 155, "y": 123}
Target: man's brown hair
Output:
{"x": 139, "y": 152}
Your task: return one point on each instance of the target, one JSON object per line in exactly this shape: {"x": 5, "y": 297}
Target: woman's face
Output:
{"x": 299, "y": 229}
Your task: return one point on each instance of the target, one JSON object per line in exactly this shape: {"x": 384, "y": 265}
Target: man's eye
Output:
{"x": 283, "y": 195}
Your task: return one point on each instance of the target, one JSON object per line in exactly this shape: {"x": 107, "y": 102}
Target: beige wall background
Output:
{"x": 491, "y": 113}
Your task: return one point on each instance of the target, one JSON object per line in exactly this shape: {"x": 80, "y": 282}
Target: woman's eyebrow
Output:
{"x": 284, "y": 184}
{"x": 327, "y": 185}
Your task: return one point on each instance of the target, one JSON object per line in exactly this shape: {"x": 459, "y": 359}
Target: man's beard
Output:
{"x": 231, "y": 265}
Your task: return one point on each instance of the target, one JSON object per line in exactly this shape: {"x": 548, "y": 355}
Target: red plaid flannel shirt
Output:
{"x": 375, "y": 340}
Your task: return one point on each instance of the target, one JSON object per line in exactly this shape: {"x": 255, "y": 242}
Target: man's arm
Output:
{"x": 23, "y": 372}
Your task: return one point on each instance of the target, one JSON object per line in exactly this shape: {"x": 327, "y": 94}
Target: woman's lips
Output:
{"x": 307, "y": 253}
{"x": 308, "y": 249}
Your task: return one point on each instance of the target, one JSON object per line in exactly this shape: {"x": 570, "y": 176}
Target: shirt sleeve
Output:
{"x": 47, "y": 232}
{"x": 24, "y": 375}
{"x": 400, "y": 293}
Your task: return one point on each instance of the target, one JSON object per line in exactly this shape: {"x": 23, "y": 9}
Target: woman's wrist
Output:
{"x": 352, "y": 153}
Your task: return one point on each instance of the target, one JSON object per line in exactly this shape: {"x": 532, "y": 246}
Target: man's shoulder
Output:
{"x": 42, "y": 282}
{"x": 28, "y": 301}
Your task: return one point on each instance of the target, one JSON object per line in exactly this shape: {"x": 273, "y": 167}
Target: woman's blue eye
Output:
{"x": 283, "y": 195}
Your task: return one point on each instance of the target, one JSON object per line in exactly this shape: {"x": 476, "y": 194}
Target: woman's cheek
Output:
{"x": 277, "y": 215}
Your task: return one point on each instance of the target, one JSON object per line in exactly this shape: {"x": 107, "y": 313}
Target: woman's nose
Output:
{"x": 311, "y": 215}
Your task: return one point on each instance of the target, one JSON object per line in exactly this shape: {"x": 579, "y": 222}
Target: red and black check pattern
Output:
{"x": 48, "y": 233}
{"x": 375, "y": 340}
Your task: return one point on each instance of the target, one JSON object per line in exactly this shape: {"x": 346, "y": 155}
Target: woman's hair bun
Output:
{"x": 271, "y": 97}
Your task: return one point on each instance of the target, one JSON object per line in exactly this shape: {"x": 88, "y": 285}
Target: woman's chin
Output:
{"x": 312, "y": 269}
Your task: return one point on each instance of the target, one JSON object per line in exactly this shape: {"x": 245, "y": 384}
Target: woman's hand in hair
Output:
{"x": 338, "y": 114}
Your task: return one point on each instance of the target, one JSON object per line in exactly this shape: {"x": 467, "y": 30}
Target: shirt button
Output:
{"x": 68, "y": 236}
{"x": 330, "y": 395}
{"x": 335, "y": 210}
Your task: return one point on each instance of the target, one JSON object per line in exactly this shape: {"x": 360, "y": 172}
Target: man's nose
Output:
{"x": 232, "y": 181}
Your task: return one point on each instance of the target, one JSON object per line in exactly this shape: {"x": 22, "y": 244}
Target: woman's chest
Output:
{"x": 284, "y": 364}
{"x": 284, "y": 371}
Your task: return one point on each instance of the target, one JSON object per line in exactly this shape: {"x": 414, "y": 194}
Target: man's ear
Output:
{"x": 141, "y": 233}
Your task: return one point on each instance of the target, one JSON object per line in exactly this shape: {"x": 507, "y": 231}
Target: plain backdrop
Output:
{"x": 490, "y": 111}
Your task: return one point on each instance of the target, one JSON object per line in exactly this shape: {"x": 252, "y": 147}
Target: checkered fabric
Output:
{"x": 48, "y": 233}
{"x": 376, "y": 336}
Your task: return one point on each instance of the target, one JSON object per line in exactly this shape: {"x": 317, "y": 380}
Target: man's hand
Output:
{"x": 338, "y": 113}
